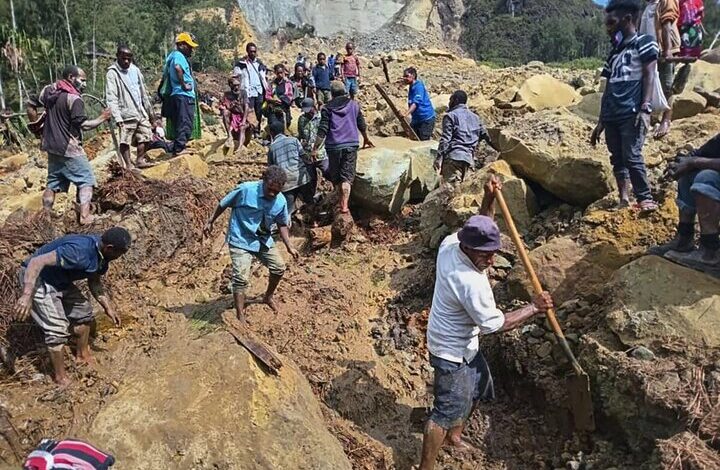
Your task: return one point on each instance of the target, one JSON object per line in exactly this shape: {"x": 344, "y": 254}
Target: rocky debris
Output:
{"x": 703, "y": 76}
{"x": 642, "y": 353}
{"x": 546, "y": 92}
{"x": 396, "y": 171}
{"x": 14, "y": 162}
{"x": 446, "y": 209}
{"x": 184, "y": 165}
{"x": 552, "y": 149}
{"x": 438, "y": 53}
{"x": 140, "y": 422}
{"x": 685, "y": 450}
{"x": 565, "y": 268}
{"x": 688, "y": 104}
{"x": 588, "y": 107}
{"x": 680, "y": 312}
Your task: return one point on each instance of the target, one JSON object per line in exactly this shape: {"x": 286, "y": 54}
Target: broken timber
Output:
{"x": 409, "y": 132}
{"x": 248, "y": 340}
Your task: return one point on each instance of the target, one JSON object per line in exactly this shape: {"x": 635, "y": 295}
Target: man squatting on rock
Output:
{"x": 463, "y": 307}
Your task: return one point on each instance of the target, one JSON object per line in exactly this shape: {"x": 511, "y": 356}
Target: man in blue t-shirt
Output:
{"x": 419, "y": 106}
{"x": 626, "y": 103}
{"x": 181, "y": 110}
{"x": 49, "y": 292}
{"x": 257, "y": 207}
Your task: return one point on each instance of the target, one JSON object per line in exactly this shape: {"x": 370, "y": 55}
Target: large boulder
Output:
{"x": 181, "y": 404}
{"x": 14, "y": 162}
{"x": 703, "y": 76}
{"x": 184, "y": 165}
{"x": 588, "y": 107}
{"x": 688, "y": 104}
{"x": 711, "y": 56}
{"x": 447, "y": 208}
{"x": 657, "y": 304}
{"x": 393, "y": 173}
{"x": 545, "y": 92}
{"x": 566, "y": 269}
{"x": 552, "y": 148}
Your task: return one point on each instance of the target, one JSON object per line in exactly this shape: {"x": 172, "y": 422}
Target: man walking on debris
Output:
{"x": 463, "y": 307}
{"x": 130, "y": 105}
{"x": 255, "y": 83}
{"x": 257, "y": 207}
{"x": 462, "y": 131}
{"x": 626, "y": 103}
{"x": 64, "y": 122}
{"x": 420, "y": 108}
{"x": 287, "y": 153}
{"x": 234, "y": 111}
{"x": 180, "y": 108}
{"x": 308, "y": 125}
{"x": 341, "y": 123}
{"x": 698, "y": 177}
{"x": 47, "y": 279}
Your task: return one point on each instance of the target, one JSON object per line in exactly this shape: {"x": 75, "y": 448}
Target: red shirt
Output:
{"x": 351, "y": 66}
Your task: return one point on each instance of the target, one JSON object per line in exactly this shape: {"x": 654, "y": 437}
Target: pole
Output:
{"x": 409, "y": 132}
{"x": 67, "y": 23}
{"x": 14, "y": 45}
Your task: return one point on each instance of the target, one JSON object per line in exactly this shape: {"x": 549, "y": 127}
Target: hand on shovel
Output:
{"x": 543, "y": 302}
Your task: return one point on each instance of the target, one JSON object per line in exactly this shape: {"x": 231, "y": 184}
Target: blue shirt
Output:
{"x": 418, "y": 95}
{"x": 78, "y": 257}
{"x": 177, "y": 58}
{"x": 624, "y": 72}
{"x": 322, "y": 75}
{"x": 253, "y": 216}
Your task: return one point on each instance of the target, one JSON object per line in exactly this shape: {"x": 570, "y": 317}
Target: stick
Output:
{"x": 251, "y": 343}
{"x": 409, "y": 132}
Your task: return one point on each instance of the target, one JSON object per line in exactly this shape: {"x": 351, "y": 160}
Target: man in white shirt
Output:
{"x": 252, "y": 71}
{"x": 463, "y": 307}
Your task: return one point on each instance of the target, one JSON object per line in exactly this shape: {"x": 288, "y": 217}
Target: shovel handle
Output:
{"x": 537, "y": 287}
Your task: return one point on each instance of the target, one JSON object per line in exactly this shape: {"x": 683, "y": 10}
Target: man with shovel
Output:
{"x": 463, "y": 307}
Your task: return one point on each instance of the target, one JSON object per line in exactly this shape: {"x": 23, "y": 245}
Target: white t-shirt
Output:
{"x": 647, "y": 22}
{"x": 463, "y": 305}
{"x": 253, "y": 77}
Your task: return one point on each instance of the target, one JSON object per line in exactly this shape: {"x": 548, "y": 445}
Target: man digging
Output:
{"x": 463, "y": 307}
{"x": 49, "y": 292}
{"x": 256, "y": 207}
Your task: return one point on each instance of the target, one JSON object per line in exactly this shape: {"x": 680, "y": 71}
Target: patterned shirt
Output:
{"x": 624, "y": 72}
{"x": 286, "y": 152}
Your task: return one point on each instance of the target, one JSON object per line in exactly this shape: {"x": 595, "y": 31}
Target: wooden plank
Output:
{"x": 409, "y": 132}
{"x": 250, "y": 342}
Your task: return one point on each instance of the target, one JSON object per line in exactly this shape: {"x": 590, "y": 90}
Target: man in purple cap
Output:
{"x": 463, "y": 307}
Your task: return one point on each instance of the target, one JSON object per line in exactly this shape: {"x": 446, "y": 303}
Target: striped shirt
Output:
{"x": 624, "y": 72}
{"x": 286, "y": 152}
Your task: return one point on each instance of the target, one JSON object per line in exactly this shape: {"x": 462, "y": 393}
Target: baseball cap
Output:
{"x": 307, "y": 104}
{"x": 480, "y": 233}
{"x": 187, "y": 38}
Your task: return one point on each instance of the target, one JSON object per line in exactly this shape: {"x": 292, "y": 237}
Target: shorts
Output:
{"x": 703, "y": 182}
{"x": 424, "y": 129}
{"x": 453, "y": 170}
{"x": 135, "y": 132}
{"x": 342, "y": 164}
{"x": 457, "y": 387}
{"x": 56, "y": 310}
{"x": 305, "y": 193}
{"x": 351, "y": 86}
{"x": 323, "y": 96}
{"x": 63, "y": 170}
{"x": 241, "y": 261}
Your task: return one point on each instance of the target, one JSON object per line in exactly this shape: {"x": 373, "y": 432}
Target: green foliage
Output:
{"x": 212, "y": 34}
{"x": 547, "y": 30}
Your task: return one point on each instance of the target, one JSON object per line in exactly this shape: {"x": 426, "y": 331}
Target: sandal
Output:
{"x": 646, "y": 206}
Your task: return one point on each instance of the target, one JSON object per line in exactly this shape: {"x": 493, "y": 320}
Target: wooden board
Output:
{"x": 409, "y": 132}
{"x": 250, "y": 342}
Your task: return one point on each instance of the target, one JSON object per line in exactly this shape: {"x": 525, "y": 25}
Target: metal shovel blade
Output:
{"x": 581, "y": 402}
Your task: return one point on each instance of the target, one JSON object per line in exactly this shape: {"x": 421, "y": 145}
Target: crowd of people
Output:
{"x": 646, "y": 43}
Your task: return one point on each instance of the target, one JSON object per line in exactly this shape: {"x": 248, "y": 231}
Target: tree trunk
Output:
{"x": 2, "y": 96}
{"x": 94, "y": 58}
{"x": 15, "y": 47}
{"x": 70, "y": 38}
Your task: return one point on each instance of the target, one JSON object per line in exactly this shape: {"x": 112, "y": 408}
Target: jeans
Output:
{"x": 255, "y": 103}
{"x": 625, "y": 141}
{"x": 351, "y": 86}
{"x": 64, "y": 170}
{"x": 183, "y": 117}
{"x": 704, "y": 182}
{"x": 424, "y": 129}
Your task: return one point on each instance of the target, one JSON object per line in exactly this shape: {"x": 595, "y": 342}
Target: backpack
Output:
{"x": 690, "y": 27}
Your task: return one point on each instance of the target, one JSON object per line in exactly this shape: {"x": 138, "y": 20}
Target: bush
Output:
{"x": 212, "y": 35}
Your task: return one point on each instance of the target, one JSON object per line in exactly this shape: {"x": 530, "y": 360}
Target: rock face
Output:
{"x": 546, "y": 92}
{"x": 703, "y": 76}
{"x": 183, "y": 165}
{"x": 182, "y": 405}
{"x": 657, "y": 303}
{"x": 396, "y": 171}
{"x": 566, "y": 269}
{"x": 552, "y": 149}
{"x": 688, "y": 104}
{"x": 588, "y": 107}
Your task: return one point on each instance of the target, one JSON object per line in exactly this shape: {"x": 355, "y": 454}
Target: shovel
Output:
{"x": 578, "y": 384}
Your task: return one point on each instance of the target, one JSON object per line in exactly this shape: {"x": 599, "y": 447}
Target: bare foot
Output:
{"x": 458, "y": 443}
{"x": 663, "y": 130}
{"x": 87, "y": 220}
{"x": 144, "y": 164}
{"x": 63, "y": 382}
{"x": 85, "y": 359}
{"x": 269, "y": 301}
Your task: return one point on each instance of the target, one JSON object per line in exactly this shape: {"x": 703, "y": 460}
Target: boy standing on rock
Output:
{"x": 626, "y": 103}
{"x": 463, "y": 307}
{"x": 350, "y": 70}
{"x": 257, "y": 206}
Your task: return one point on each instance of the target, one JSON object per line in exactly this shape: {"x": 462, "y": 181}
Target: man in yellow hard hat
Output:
{"x": 178, "y": 92}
